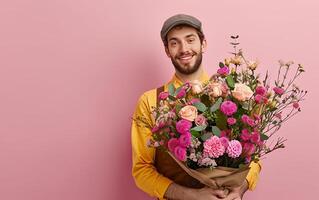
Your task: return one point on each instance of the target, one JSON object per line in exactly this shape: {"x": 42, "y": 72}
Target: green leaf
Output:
{"x": 195, "y": 133}
{"x": 264, "y": 137}
{"x": 216, "y": 130}
{"x": 221, "y": 65}
{"x": 230, "y": 81}
{"x": 216, "y": 105}
{"x": 200, "y": 106}
{"x": 171, "y": 89}
{"x": 199, "y": 128}
{"x": 172, "y": 97}
{"x": 221, "y": 120}
{"x": 206, "y": 136}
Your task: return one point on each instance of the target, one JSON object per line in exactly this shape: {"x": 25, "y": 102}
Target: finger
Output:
{"x": 220, "y": 193}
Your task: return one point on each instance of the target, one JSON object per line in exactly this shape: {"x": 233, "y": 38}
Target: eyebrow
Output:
{"x": 187, "y": 36}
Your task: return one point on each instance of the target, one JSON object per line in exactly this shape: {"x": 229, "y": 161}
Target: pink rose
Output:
{"x": 261, "y": 90}
{"x": 225, "y": 133}
{"x": 234, "y": 149}
{"x": 244, "y": 118}
{"x": 197, "y": 87}
{"x": 224, "y": 71}
{"x": 200, "y": 120}
{"x": 181, "y": 93}
{"x": 231, "y": 121}
{"x": 228, "y": 107}
{"x": 278, "y": 90}
{"x": 248, "y": 148}
{"x": 163, "y": 95}
{"x": 242, "y": 92}
{"x": 216, "y": 89}
{"x": 185, "y": 140}
{"x": 180, "y": 153}
{"x": 183, "y": 126}
{"x": 188, "y": 112}
{"x": 245, "y": 135}
{"x": 255, "y": 137}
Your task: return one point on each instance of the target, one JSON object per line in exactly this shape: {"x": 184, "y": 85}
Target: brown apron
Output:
{"x": 166, "y": 165}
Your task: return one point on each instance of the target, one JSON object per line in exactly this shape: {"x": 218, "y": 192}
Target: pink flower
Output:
{"x": 181, "y": 93}
{"x": 255, "y": 137}
{"x": 200, "y": 120}
{"x": 192, "y": 101}
{"x": 261, "y": 90}
{"x": 295, "y": 105}
{"x": 188, "y": 112}
{"x": 278, "y": 90}
{"x": 223, "y": 71}
{"x": 216, "y": 89}
{"x": 242, "y": 92}
{"x": 231, "y": 121}
{"x": 180, "y": 153}
{"x": 245, "y": 135}
{"x": 172, "y": 144}
{"x": 224, "y": 141}
{"x": 228, "y": 107}
{"x": 244, "y": 118}
{"x": 249, "y": 148}
{"x": 163, "y": 95}
{"x": 183, "y": 126}
{"x": 225, "y": 133}
{"x": 234, "y": 149}
{"x": 213, "y": 147}
{"x": 197, "y": 87}
{"x": 259, "y": 98}
{"x": 251, "y": 122}
{"x": 185, "y": 140}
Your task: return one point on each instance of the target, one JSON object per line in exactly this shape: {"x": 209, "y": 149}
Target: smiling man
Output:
{"x": 155, "y": 172}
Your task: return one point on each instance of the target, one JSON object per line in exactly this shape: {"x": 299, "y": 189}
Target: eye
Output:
{"x": 173, "y": 43}
{"x": 191, "y": 40}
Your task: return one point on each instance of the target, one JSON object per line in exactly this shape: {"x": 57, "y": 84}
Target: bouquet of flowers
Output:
{"x": 215, "y": 129}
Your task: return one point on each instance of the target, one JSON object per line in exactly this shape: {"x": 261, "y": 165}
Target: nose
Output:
{"x": 184, "y": 48}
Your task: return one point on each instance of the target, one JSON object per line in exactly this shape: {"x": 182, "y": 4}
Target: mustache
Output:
{"x": 185, "y": 54}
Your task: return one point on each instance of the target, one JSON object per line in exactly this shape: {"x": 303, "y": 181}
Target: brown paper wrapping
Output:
{"x": 219, "y": 177}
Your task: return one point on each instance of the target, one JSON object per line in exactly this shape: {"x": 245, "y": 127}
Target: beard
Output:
{"x": 188, "y": 69}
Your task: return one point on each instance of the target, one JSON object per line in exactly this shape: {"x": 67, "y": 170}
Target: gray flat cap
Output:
{"x": 178, "y": 20}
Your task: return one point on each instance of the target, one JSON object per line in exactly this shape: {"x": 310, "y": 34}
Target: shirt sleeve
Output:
{"x": 253, "y": 175}
{"x": 143, "y": 170}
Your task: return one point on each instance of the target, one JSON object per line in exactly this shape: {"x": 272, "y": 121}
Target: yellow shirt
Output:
{"x": 144, "y": 172}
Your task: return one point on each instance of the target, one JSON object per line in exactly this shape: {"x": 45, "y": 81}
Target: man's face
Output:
{"x": 185, "y": 49}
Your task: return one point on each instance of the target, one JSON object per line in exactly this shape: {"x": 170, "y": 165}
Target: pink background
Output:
{"x": 71, "y": 72}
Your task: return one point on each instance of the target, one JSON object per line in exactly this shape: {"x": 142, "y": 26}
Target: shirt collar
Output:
{"x": 177, "y": 81}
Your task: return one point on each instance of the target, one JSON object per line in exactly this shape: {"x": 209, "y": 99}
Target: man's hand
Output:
{"x": 237, "y": 193}
{"x": 178, "y": 192}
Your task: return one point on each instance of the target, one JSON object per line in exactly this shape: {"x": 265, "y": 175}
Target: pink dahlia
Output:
{"x": 234, "y": 149}
{"x": 180, "y": 153}
{"x": 172, "y": 144}
{"x": 183, "y": 126}
{"x": 185, "y": 140}
{"x": 213, "y": 147}
{"x": 228, "y": 107}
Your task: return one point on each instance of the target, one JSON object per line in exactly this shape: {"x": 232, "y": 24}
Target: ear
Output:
{"x": 204, "y": 45}
{"x": 167, "y": 52}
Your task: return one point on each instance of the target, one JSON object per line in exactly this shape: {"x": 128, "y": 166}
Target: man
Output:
{"x": 154, "y": 171}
